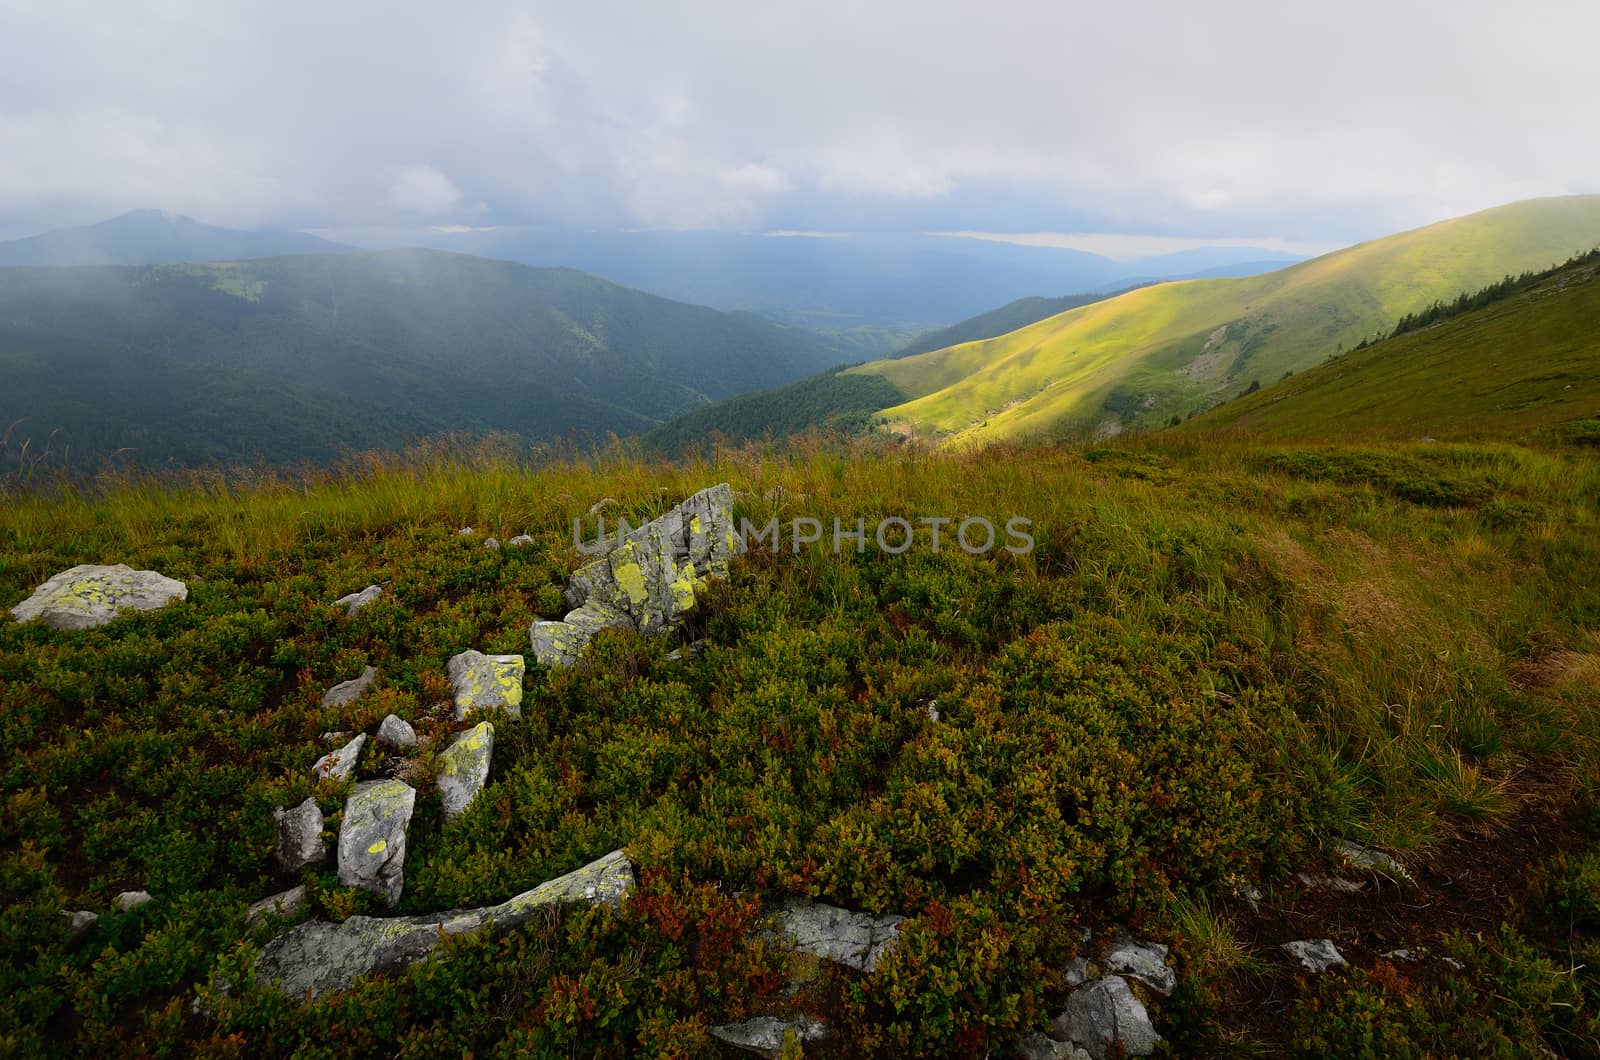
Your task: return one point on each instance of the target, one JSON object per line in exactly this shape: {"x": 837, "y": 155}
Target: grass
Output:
{"x": 1222, "y": 656}
{"x": 1140, "y": 358}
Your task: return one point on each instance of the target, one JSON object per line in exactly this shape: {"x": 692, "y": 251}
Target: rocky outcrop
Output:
{"x": 356, "y": 601}
{"x": 395, "y": 734}
{"x": 285, "y": 905}
{"x": 464, "y": 767}
{"x": 347, "y": 692}
{"x": 299, "y": 836}
{"x": 648, "y": 580}
{"x": 318, "y": 957}
{"x": 1314, "y": 955}
{"x": 341, "y": 764}
{"x": 855, "y": 940}
{"x": 486, "y": 683}
{"x": 372, "y": 838}
{"x": 1106, "y": 1019}
{"x": 764, "y": 1035}
{"x": 89, "y": 596}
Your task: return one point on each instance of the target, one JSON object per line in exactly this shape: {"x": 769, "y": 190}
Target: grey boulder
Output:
{"x": 318, "y": 957}
{"x": 88, "y": 596}
{"x": 356, "y": 601}
{"x": 299, "y": 836}
{"x": 395, "y": 733}
{"x": 285, "y": 905}
{"x": 1314, "y": 955}
{"x": 347, "y": 692}
{"x": 130, "y": 900}
{"x": 485, "y": 683}
{"x": 764, "y": 1035}
{"x": 520, "y": 540}
{"x": 340, "y": 764}
{"x": 79, "y": 923}
{"x": 855, "y": 940}
{"x": 1038, "y": 1047}
{"x": 464, "y": 767}
{"x": 372, "y": 839}
{"x": 1105, "y": 1019}
{"x": 1143, "y": 961}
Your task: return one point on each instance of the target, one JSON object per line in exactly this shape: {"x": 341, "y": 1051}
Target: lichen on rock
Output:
{"x": 88, "y": 596}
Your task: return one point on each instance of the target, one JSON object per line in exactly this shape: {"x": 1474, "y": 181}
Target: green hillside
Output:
{"x": 304, "y": 357}
{"x": 835, "y": 400}
{"x": 1009, "y": 317}
{"x": 1516, "y": 366}
{"x": 1144, "y": 356}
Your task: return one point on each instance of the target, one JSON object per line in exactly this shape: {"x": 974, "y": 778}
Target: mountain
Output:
{"x": 1522, "y": 363}
{"x": 833, "y": 400}
{"x": 1137, "y": 359}
{"x": 826, "y": 282}
{"x": 1007, "y": 318}
{"x": 153, "y": 237}
{"x": 297, "y": 358}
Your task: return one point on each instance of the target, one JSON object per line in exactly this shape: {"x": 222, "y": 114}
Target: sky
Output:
{"x": 1274, "y": 124}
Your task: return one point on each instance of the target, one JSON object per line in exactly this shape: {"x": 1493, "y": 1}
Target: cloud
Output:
{"x": 1250, "y": 120}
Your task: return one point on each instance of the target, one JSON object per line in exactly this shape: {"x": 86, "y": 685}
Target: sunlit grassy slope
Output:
{"x": 1523, "y": 364}
{"x": 1138, "y": 359}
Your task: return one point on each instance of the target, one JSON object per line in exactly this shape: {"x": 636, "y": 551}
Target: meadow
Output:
{"x": 1222, "y": 657}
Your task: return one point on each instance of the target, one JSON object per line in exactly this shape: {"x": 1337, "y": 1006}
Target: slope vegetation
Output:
{"x": 1140, "y": 358}
{"x": 1521, "y": 364}
{"x": 301, "y": 357}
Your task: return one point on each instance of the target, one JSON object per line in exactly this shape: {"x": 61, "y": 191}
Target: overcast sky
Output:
{"x": 1307, "y": 124}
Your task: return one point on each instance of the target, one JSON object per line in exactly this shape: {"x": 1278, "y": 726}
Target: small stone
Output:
{"x": 1076, "y": 971}
{"x": 1336, "y": 884}
{"x": 484, "y": 683}
{"x": 285, "y": 905}
{"x": 395, "y": 733}
{"x": 764, "y": 1035}
{"x": 1036, "y": 1046}
{"x": 1105, "y": 1019}
{"x": 464, "y": 768}
{"x": 130, "y": 900}
{"x": 299, "y": 836}
{"x": 1314, "y": 955}
{"x": 1145, "y": 962}
{"x": 372, "y": 839}
{"x": 339, "y": 765}
{"x": 465, "y": 531}
{"x": 79, "y": 923}
{"x": 601, "y": 505}
{"x": 347, "y": 692}
{"x": 520, "y": 540}
{"x": 340, "y": 737}
{"x": 493, "y": 543}
{"x": 356, "y": 601}
{"x": 855, "y": 940}
{"x": 89, "y": 596}
{"x": 1366, "y": 859}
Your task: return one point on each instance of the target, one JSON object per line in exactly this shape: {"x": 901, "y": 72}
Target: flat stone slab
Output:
{"x": 486, "y": 683}
{"x": 855, "y": 940}
{"x": 285, "y": 904}
{"x": 1367, "y": 859}
{"x": 464, "y": 767}
{"x": 1314, "y": 955}
{"x": 89, "y": 596}
{"x": 372, "y": 837}
{"x": 346, "y": 692}
{"x": 318, "y": 957}
{"x": 764, "y": 1035}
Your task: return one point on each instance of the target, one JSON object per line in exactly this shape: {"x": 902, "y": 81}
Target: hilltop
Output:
{"x": 1523, "y": 363}
{"x": 1138, "y": 359}
{"x": 305, "y": 358}
{"x": 153, "y": 237}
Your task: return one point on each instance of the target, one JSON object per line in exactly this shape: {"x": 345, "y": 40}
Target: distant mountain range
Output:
{"x": 155, "y": 237}
{"x": 302, "y": 358}
{"x": 1140, "y": 358}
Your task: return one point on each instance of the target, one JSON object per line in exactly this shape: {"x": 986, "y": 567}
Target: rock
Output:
{"x": 1336, "y": 884}
{"x": 286, "y": 904}
{"x": 299, "y": 836}
{"x": 347, "y": 692}
{"x": 318, "y": 957}
{"x": 395, "y": 733}
{"x": 1076, "y": 972}
{"x": 649, "y": 580}
{"x": 1315, "y": 955}
{"x": 130, "y": 900}
{"x": 372, "y": 839}
{"x": 464, "y": 767}
{"x": 340, "y": 737}
{"x": 487, "y": 683}
{"x": 493, "y": 543}
{"x": 764, "y": 1035}
{"x": 356, "y": 601}
{"x": 855, "y": 940}
{"x": 1038, "y": 1047}
{"x": 89, "y": 596}
{"x": 465, "y": 531}
{"x": 1142, "y": 961}
{"x": 339, "y": 765}
{"x": 1104, "y": 1017}
{"x": 520, "y": 540}
{"x": 1366, "y": 859}
{"x": 79, "y": 923}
